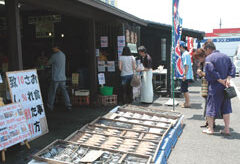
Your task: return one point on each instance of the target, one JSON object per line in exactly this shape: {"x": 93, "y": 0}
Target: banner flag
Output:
{"x": 177, "y": 23}
{"x": 190, "y": 41}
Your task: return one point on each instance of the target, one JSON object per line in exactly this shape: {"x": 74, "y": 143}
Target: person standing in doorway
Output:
{"x": 147, "y": 87}
{"x": 187, "y": 74}
{"x": 58, "y": 61}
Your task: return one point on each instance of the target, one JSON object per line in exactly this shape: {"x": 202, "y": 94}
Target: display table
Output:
{"x": 160, "y": 81}
{"x": 125, "y": 134}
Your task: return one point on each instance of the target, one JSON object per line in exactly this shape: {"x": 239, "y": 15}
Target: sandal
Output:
{"x": 204, "y": 126}
{"x": 208, "y": 132}
{"x": 185, "y": 106}
{"x": 224, "y": 133}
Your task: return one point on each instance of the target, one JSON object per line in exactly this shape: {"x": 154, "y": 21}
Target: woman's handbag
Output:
{"x": 230, "y": 92}
{"x": 136, "y": 80}
{"x": 204, "y": 89}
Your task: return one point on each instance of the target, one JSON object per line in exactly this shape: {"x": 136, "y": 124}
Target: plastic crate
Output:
{"x": 80, "y": 100}
{"x": 106, "y": 91}
{"x": 161, "y": 158}
{"x": 107, "y": 100}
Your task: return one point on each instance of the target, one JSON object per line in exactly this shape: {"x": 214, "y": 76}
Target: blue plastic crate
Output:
{"x": 174, "y": 136}
{"x": 161, "y": 158}
{"x": 166, "y": 146}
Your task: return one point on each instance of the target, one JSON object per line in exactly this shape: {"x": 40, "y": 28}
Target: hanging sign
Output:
{"x": 101, "y": 66}
{"x": 111, "y": 66}
{"x": 13, "y": 125}
{"x": 133, "y": 48}
{"x": 101, "y": 79}
{"x": 104, "y": 41}
{"x": 97, "y": 52}
{"x": 75, "y": 78}
{"x": 24, "y": 88}
{"x": 121, "y": 44}
{"x": 44, "y": 25}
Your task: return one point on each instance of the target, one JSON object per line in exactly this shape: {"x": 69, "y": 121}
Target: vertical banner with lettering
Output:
{"x": 176, "y": 62}
{"x": 177, "y": 30}
{"x": 190, "y": 41}
{"x": 13, "y": 125}
{"x": 24, "y": 88}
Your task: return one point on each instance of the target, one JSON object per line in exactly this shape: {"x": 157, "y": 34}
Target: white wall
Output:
{"x": 227, "y": 45}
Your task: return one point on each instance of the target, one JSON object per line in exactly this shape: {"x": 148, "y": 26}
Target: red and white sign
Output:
{"x": 24, "y": 88}
{"x": 13, "y": 125}
{"x": 104, "y": 41}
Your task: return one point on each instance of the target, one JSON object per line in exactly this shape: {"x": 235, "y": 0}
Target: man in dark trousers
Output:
{"x": 58, "y": 61}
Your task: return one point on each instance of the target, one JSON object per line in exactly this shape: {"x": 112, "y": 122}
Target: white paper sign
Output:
{"x": 101, "y": 78}
{"x": 13, "y": 125}
{"x": 111, "y": 66}
{"x": 104, "y": 41}
{"x": 121, "y": 44}
{"x": 120, "y": 49}
{"x": 97, "y": 52}
{"x": 24, "y": 88}
{"x": 121, "y": 41}
{"x": 101, "y": 66}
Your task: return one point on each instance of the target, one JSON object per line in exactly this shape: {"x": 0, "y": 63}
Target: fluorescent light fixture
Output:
{"x": 2, "y": 2}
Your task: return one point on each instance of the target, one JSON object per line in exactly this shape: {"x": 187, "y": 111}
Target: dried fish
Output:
{"x": 137, "y": 115}
{"x": 148, "y": 123}
{"x": 146, "y": 117}
{"x": 128, "y": 114}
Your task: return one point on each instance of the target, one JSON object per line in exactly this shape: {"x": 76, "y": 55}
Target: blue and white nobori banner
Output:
{"x": 177, "y": 23}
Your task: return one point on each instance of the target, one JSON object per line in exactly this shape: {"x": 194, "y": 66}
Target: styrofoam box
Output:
{"x": 82, "y": 92}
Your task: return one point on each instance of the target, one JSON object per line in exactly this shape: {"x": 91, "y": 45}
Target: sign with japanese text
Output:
{"x": 176, "y": 38}
{"x": 111, "y": 66}
{"x": 104, "y": 41}
{"x": 121, "y": 44}
{"x": 75, "y": 78}
{"x": 101, "y": 66}
{"x": 13, "y": 125}
{"x": 24, "y": 88}
{"x": 101, "y": 79}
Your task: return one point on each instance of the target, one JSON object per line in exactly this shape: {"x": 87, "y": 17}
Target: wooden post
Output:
{"x": 14, "y": 35}
{"x": 27, "y": 144}
{"x": 92, "y": 62}
{"x": 3, "y": 155}
{"x": 1, "y": 101}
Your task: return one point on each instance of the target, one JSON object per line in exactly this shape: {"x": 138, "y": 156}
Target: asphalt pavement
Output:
{"x": 194, "y": 147}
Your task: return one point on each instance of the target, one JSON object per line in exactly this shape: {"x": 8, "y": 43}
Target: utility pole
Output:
{"x": 220, "y": 24}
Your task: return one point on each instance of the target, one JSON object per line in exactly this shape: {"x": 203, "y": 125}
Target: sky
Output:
{"x": 201, "y": 15}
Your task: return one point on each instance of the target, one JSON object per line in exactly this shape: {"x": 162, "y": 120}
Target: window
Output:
{"x": 163, "y": 49}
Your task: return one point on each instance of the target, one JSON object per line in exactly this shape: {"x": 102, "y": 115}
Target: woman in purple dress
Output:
{"x": 219, "y": 70}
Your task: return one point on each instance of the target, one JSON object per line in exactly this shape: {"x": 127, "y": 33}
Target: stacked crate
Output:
{"x": 81, "y": 97}
{"x": 107, "y": 100}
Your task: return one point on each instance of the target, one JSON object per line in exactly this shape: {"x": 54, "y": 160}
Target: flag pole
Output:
{"x": 173, "y": 59}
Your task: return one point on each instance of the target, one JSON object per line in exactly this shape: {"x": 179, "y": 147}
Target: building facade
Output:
{"x": 227, "y": 40}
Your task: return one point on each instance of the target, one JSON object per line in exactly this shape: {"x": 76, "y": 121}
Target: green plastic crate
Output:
{"x": 106, "y": 91}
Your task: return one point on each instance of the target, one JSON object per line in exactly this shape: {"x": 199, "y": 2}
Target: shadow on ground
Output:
{"x": 196, "y": 117}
